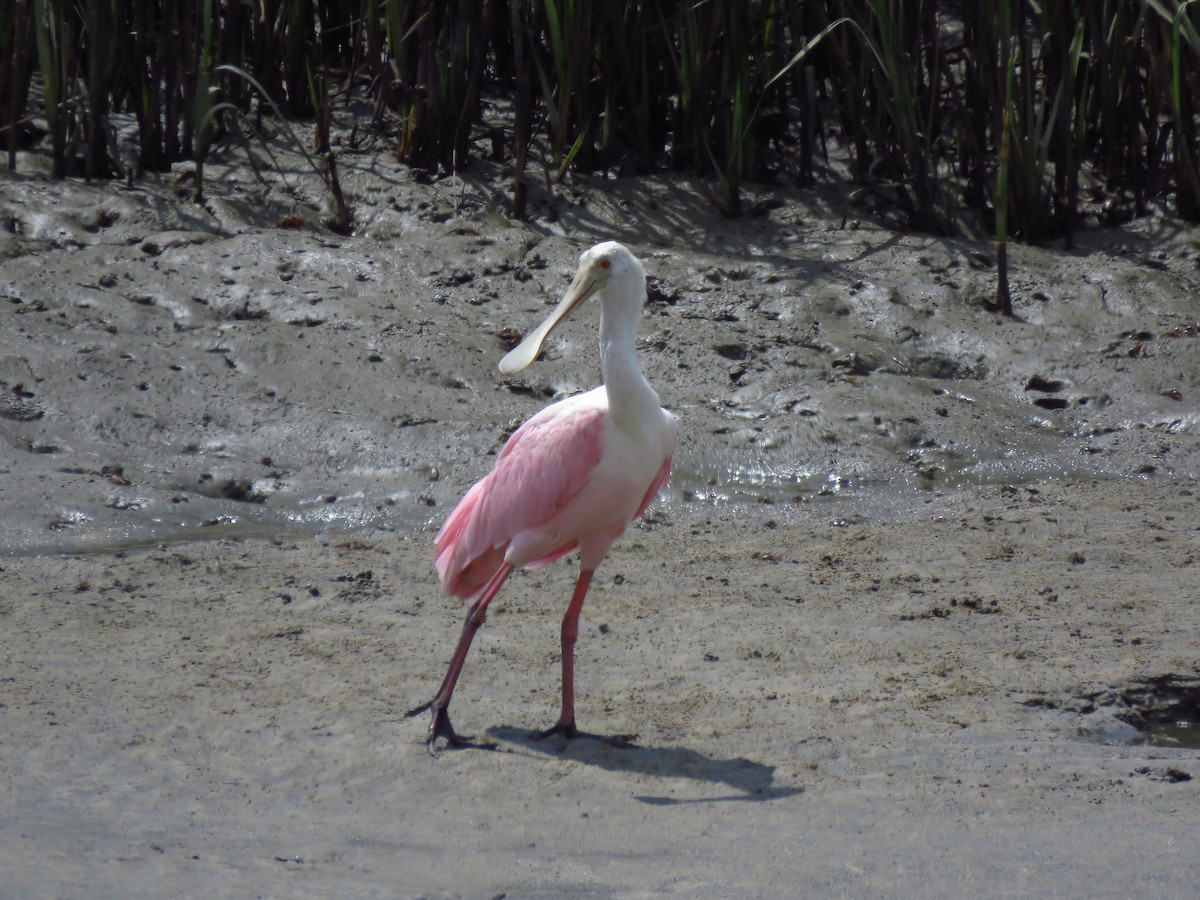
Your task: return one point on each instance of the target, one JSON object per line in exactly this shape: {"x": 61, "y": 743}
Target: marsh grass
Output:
{"x": 1023, "y": 115}
{"x": 16, "y": 67}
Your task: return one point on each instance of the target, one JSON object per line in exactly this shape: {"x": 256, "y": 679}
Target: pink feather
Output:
{"x": 542, "y": 467}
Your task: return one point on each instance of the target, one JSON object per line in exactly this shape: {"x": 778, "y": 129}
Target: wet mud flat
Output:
{"x": 918, "y": 613}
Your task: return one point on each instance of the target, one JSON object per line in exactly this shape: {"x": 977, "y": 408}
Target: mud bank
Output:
{"x": 923, "y": 578}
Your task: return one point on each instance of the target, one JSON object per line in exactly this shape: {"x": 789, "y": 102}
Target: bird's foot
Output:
{"x": 567, "y": 731}
{"x": 440, "y": 727}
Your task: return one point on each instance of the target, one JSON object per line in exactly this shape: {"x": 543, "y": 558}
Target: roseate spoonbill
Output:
{"x": 574, "y": 475}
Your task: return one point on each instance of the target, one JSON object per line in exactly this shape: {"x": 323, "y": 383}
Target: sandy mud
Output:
{"x": 917, "y": 616}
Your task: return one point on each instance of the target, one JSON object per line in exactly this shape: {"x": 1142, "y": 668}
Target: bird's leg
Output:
{"x": 565, "y": 726}
{"x": 570, "y": 630}
{"x": 440, "y": 726}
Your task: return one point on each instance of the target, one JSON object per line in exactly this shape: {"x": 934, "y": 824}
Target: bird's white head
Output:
{"x": 607, "y": 268}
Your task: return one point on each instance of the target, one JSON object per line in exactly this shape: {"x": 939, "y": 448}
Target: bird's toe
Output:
{"x": 566, "y": 730}
{"x": 440, "y": 727}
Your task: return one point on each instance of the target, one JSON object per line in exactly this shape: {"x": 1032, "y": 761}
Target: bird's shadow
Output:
{"x": 754, "y": 781}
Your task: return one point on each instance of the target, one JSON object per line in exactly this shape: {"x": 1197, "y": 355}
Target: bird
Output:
{"x": 573, "y": 476}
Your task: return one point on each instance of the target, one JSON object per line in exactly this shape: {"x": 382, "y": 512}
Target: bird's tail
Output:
{"x": 463, "y": 568}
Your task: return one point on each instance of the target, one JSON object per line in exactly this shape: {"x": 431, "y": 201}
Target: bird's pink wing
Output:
{"x": 543, "y": 465}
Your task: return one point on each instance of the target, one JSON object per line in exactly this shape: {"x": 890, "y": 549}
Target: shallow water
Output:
{"x": 1183, "y": 734}
{"x": 1180, "y": 733}
{"x": 800, "y": 495}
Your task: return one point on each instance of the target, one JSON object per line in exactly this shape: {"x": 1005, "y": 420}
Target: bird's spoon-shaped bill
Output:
{"x": 523, "y": 355}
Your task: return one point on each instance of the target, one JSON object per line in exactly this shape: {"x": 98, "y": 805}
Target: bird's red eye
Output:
{"x": 605, "y": 264}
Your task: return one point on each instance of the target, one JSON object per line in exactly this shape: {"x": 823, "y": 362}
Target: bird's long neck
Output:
{"x": 630, "y": 397}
